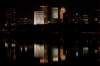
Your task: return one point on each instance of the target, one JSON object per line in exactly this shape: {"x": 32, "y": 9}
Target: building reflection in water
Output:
{"x": 85, "y": 50}
{"x": 10, "y": 51}
{"x": 38, "y": 50}
{"x": 54, "y": 51}
{"x": 41, "y": 51}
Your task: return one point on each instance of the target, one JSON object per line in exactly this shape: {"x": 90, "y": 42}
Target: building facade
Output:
{"x": 38, "y": 17}
{"x": 45, "y": 9}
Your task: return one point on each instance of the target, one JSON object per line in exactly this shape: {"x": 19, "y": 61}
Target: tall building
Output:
{"x": 96, "y": 16}
{"x": 38, "y": 17}
{"x": 54, "y": 14}
{"x": 78, "y": 18}
{"x": 62, "y": 10}
{"x": 85, "y": 19}
{"x": 45, "y": 9}
{"x": 10, "y": 15}
{"x": 65, "y": 17}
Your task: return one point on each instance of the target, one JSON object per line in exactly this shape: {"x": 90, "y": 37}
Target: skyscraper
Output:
{"x": 38, "y": 17}
{"x": 45, "y": 9}
{"x": 65, "y": 17}
{"x": 62, "y": 10}
{"x": 54, "y": 14}
{"x": 11, "y": 15}
{"x": 85, "y": 19}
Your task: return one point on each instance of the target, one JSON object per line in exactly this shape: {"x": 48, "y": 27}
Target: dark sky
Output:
{"x": 26, "y": 8}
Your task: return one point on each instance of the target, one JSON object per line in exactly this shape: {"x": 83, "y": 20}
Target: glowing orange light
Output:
{"x": 42, "y": 60}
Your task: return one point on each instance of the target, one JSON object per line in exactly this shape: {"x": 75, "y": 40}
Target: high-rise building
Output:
{"x": 45, "y": 9}
{"x": 38, "y": 17}
{"x": 85, "y": 19}
{"x": 78, "y": 19}
{"x": 65, "y": 17}
{"x": 10, "y": 15}
{"x": 62, "y": 10}
{"x": 54, "y": 11}
{"x": 54, "y": 14}
{"x": 96, "y": 16}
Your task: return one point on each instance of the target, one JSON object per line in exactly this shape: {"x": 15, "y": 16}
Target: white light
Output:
{"x": 25, "y": 49}
{"x": 76, "y": 54}
{"x": 38, "y": 17}
{"x": 38, "y": 50}
{"x": 13, "y": 45}
{"x": 76, "y": 13}
{"x": 25, "y": 18}
{"x": 55, "y": 52}
{"x": 55, "y": 12}
{"x": 55, "y": 59}
{"x": 85, "y": 50}
{"x": 6, "y": 45}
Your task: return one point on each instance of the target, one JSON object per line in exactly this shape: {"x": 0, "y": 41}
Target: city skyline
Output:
{"x": 25, "y": 9}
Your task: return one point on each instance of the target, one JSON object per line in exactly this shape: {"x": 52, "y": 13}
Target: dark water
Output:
{"x": 21, "y": 50}
{"x": 79, "y": 48}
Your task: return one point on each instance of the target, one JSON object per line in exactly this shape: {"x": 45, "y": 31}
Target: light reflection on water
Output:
{"x": 15, "y": 52}
{"x": 23, "y": 51}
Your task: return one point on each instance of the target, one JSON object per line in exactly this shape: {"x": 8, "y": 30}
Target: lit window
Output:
{"x": 25, "y": 49}
{"x": 85, "y": 50}
{"x": 55, "y": 59}
{"x": 76, "y": 54}
{"x": 95, "y": 19}
{"x": 96, "y": 51}
{"x": 6, "y": 44}
{"x": 13, "y": 45}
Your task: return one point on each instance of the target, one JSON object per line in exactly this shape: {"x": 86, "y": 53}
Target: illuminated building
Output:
{"x": 78, "y": 19}
{"x": 85, "y": 50}
{"x": 38, "y": 17}
{"x": 54, "y": 14}
{"x": 62, "y": 56}
{"x": 45, "y": 58}
{"x": 55, "y": 54}
{"x": 22, "y": 21}
{"x": 96, "y": 16}
{"x": 38, "y": 50}
{"x": 45, "y": 9}
{"x": 62, "y": 10}
{"x": 85, "y": 19}
{"x": 65, "y": 17}
{"x": 11, "y": 16}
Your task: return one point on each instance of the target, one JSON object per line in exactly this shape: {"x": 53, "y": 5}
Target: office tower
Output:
{"x": 62, "y": 10}
{"x": 45, "y": 9}
{"x": 78, "y": 18}
{"x": 85, "y": 19}
{"x": 96, "y": 16}
{"x": 65, "y": 17}
{"x": 38, "y": 17}
{"x": 11, "y": 16}
{"x": 54, "y": 14}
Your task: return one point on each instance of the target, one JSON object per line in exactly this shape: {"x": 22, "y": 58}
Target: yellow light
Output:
{"x": 43, "y": 60}
{"x": 55, "y": 59}
{"x": 96, "y": 51}
{"x": 21, "y": 49}
{"x": 62, "y": 10}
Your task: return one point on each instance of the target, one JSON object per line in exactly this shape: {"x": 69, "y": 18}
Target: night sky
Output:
{"x": 26, "y": 8}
